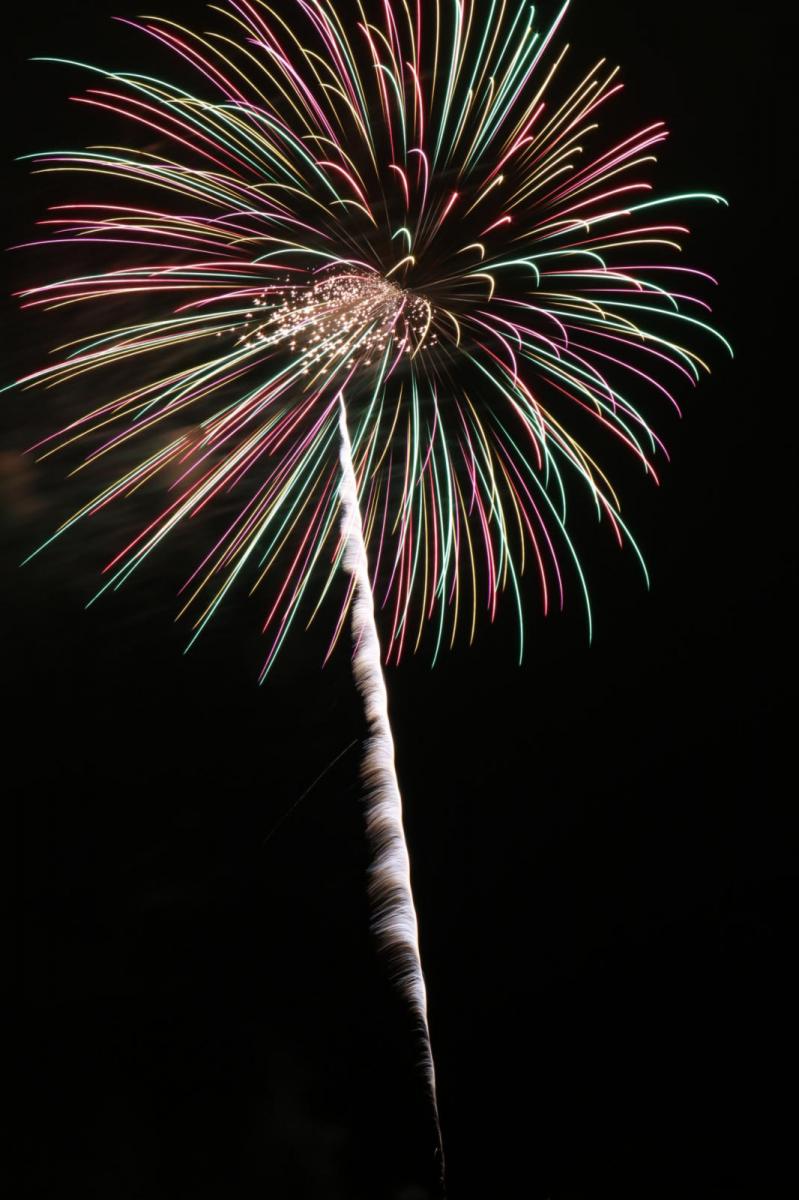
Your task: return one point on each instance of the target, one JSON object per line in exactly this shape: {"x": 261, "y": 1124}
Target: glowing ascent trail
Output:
{"x": 390, "y": 891}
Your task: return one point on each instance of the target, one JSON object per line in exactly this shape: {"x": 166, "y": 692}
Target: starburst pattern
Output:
{"x": 408, "y": 211}
{"x": 381, "y": 296}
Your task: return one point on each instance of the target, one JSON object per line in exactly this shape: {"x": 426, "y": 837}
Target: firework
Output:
{"x": 383, "y": 278}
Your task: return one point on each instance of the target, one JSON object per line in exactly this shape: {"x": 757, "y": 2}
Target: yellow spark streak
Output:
{"x": 409, "y": 258}
{"x": 475, "y": 246}
{"x": 483, "y": 275}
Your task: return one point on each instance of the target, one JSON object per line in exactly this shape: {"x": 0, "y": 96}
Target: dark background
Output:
{"x": 601, "y": 840}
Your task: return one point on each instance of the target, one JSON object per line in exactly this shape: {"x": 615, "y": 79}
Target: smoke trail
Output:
{"x": 390, "y": 891}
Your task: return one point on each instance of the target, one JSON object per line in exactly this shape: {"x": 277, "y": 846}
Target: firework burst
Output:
{"x": 390, "y": 276}
{"x": 418, "y": 218}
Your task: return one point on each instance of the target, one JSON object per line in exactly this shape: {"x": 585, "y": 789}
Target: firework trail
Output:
{"x": 410, "y": 215}
{"x": 395, "y": 919}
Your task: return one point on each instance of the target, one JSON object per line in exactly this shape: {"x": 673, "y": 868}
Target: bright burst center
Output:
{"x": 350, "y": 319}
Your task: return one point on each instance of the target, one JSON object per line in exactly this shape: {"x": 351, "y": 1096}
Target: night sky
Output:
{"x": 601, "y": 839}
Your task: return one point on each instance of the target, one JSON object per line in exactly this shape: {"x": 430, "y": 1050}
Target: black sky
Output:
{"x": 602, "y": 840}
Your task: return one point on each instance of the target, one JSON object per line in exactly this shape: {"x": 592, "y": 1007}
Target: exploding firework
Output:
{"x": 383, "y": 278}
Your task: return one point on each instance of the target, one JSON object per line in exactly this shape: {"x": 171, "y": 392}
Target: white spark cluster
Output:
{"x": 347, "y": 319}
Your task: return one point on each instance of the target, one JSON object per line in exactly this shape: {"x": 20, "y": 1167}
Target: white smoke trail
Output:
{"x": 394, "y": 919}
